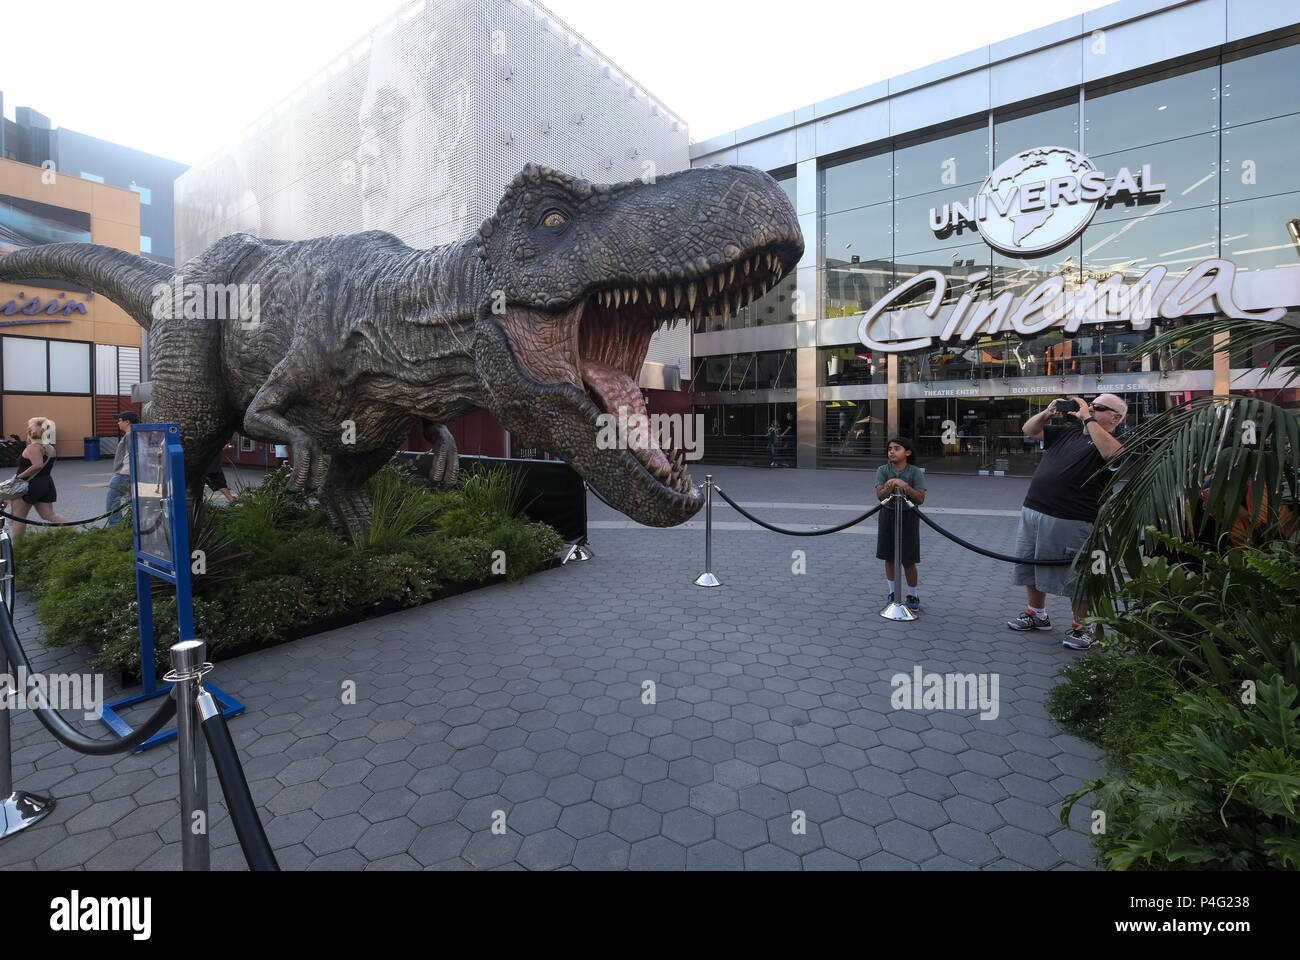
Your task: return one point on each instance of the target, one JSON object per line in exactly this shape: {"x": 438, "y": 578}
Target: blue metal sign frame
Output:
{"x": 158, "y": 512}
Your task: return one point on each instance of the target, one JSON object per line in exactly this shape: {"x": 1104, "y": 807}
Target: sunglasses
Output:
{"x": 1103, "y": 408}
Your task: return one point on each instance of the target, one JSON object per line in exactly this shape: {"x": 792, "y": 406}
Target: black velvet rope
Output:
{"x": 61, "y": 729}
{"x": 989, "y": 553}
{"x": 63, "y": 523}
{"x": 795, "y": 533}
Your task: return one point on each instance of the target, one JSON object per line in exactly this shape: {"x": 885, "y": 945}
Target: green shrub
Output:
{"x": 1222, "y": 793}
{"x": 1222, "y": 616}
{"x": 282, "y": 569}
{"x": 1123, "y": 702}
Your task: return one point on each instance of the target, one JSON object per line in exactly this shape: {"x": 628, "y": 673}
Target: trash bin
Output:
{"x": 92, "y": 447}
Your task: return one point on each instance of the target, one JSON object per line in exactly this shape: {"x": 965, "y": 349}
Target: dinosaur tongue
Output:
{"x": 622, "y": 398}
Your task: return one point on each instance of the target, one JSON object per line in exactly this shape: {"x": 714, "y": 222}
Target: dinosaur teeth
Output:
{"x": 663, "y": 296}
{"x": 690, "y": 296}
{"x": 708, "y": 285}
{"x": 677, "y": 296}
{"x": 635, "y": 293}
{"x": 731, "y": 274}
{"x": 747, "y": 266}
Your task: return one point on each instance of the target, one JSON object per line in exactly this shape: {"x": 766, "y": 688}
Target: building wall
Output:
{"x": 418, "y": 128}
{"x": 114, "y": 219}
{"x": 1184, "y": 87}
{"x": 121, "y": 166}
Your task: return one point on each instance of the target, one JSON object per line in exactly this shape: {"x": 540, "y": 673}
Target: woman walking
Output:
{"x": 35, "y": 466}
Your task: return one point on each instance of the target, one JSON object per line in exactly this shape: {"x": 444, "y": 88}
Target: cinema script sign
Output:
{"x": 1036, "y": 202}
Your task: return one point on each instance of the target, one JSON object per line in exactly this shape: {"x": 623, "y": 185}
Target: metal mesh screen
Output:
{"x": 418, "y": 129}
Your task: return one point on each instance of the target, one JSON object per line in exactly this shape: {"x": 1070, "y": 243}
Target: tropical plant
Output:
{"x": 1246, "y": 443}
{"x": 1222, "y": 616}
{"x": 1225, "y": 790}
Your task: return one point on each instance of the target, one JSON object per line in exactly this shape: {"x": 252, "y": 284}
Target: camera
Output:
{"x": 1067, "y": 406}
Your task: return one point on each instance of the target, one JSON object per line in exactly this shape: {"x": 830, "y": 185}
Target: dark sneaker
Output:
{"x": 913, "y": 603}
{"x": 1030, "y": 621}
{"x": 890, "y": 598}
{"x": 1079, "y": 638}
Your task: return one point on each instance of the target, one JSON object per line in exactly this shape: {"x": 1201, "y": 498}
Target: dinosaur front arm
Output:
{"x": 265, "y": 420}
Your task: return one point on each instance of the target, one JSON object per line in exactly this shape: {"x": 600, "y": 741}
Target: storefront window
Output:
{"x": 1262, "y": 159}
{"x": 1053, "y": 126}
{"x": 738, "y": 433}
{"x": 1255, "y": 235}
{"x": 946, "y": 163}
{"x": 854, "y": 287}
{"x": 1187, "y": 167}
{"x": 1259, "y": 83}
{"x": 1158, "y": 107}
{"x": 956, "y": 263}
{"x": 1134, "y": 245}
{"x": 1018, "y": 275}
{"x": 912, "y": 232}
{"x": 858, "y": 183}
{"x": 866, "y": 233}
{"x": 851, "y": 365}
{"x": 769, "y": 370}
{"x": 854, "y": 433}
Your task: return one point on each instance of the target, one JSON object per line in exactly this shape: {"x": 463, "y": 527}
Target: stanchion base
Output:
{"x": 230, "y": 707}
{"x": 576, "y": 551}
{"x": 20, "y": 810}
{"x": 707, "y": 579}
{"x": 897, "y": 611}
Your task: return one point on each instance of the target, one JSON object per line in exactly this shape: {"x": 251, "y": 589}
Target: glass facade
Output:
{"x": 1221, "y": 132}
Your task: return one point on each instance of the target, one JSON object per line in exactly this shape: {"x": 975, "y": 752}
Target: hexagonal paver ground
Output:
{"x": 585, "y": 719}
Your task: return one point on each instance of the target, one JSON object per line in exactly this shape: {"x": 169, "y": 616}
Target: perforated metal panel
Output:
{"x": 418, "y": 128}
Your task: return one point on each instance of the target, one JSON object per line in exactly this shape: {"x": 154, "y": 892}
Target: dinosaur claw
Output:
{"x": 445, "y": 469}
{"x": 308, "y": 467}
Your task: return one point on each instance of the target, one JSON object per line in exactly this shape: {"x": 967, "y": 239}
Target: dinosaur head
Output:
{"x": 579, "y": 276}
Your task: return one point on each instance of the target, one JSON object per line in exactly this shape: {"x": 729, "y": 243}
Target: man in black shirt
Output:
{"x": 1061, "y": 505}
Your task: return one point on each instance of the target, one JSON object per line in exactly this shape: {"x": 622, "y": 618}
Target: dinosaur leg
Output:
{"x": 265, "y": 420}
{"x": 446, "y": 460}
{"x": 343, "y": 492}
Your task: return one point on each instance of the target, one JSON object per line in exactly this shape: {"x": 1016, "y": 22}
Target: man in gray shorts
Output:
{"x": 1061, "y": 506}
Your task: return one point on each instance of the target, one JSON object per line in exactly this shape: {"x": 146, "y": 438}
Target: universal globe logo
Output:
{"x": 1039, "y": 200}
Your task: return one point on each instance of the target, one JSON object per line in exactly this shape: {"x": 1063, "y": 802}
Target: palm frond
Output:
{"x": 1197, "y": 341}
{"x": 1241, "y": 440}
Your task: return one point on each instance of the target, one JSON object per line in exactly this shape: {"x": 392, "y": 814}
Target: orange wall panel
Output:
{"x": 72, "y": 416}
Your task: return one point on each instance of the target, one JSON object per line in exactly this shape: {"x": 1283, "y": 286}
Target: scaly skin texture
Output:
{"x": 543, "y": 318}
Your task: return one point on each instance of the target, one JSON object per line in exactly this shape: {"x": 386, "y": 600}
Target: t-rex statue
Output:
{"x": 542, "y": 317}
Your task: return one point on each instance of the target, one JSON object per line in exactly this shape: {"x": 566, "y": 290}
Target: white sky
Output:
{"x": 178, "y": 77}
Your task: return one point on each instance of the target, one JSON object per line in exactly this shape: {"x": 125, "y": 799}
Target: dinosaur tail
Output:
{"x": 123, "y": 277}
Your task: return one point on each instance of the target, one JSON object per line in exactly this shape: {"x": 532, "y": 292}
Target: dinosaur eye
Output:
{"x": 554, "y": 219}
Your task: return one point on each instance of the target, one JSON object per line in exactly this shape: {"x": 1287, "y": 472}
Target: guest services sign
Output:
{"x": 1032, "y": 204}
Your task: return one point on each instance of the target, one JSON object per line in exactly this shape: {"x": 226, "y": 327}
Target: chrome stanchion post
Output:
{"x": 188, "y": 667}
{"x": 18, "y": 809}
{"x": 898, "y": 609}
{"x": 707, "y": 579}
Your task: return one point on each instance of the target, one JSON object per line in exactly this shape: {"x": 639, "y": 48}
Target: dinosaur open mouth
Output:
{"x": 618, "y": 320}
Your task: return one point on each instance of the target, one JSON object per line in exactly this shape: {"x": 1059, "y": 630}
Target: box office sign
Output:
{"x": 1174, "y": 381}
{"x": 1033, "y": 203}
